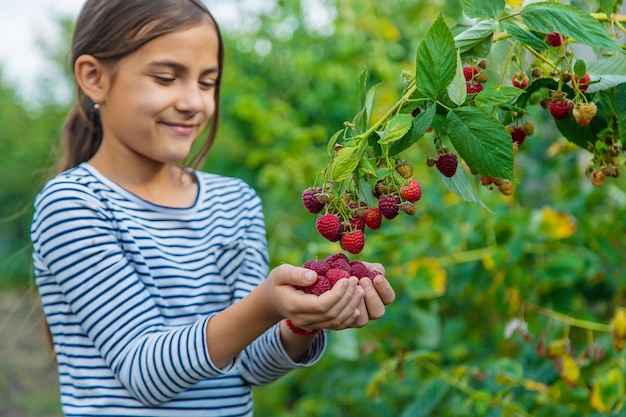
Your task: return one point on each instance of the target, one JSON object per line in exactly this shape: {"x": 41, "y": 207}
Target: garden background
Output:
{"x": 503, "y": 310}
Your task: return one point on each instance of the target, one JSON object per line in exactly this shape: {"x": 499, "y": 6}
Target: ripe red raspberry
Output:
{"x": 517, "y": 134}
{"x": 520, "y": 80}
{"x": 357, "y": 223}
{"x": 555, "y": 39}
{"x": 319, "y": 266}
{"x": 358, "y": 269}
{"x": 374, "y": 273}
{"x": 335, "y": 274}
{"x": 469, "y": 71}
{"x": 473, "y": 87}
{"x": 559, "y": 106}
{"x": 447, "y": 164}
{"x": 353, "y": 242}
{"x": 310, "y": 201}
{"x": 372, "y": 218}
{"x": 329, "y": 227}
{"x": 337, "y": 256}
{"x": 388, "y": 206}
{"x": 412, "y": 192}
{"x": 582, "y": 83}
{"x": 320, "y": 287}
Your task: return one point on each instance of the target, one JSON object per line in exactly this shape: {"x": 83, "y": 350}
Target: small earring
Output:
{"x": 96, "y": 106}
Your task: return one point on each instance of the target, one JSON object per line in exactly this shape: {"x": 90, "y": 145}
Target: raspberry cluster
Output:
{"x": 344, "y": 216}
{"x": 475, "y": 76}
{"x": 334, "y": 268}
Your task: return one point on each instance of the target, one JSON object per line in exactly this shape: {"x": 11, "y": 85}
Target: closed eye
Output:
{"x": 164, "y": 79}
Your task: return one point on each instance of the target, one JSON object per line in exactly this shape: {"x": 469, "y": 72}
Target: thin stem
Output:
{"x": 570, "y": 321}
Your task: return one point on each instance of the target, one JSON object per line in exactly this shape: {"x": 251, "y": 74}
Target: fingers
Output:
{"x": 384, "y": 289}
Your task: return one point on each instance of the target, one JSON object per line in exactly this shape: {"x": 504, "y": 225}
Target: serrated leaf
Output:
{"x": 366, "y": 193}
{"x": 549, "y": 17}
{"x": 482, "y": 141}
{"x": 483, "y": 8}
{"x": 344, "y": 164}
{"x": 475, "y": 35}
{"x": 497, "y": 94}
{"x": 435, "y": 62}
{"x": 420, "y": 125}
{"x": 457, "y": 90}
{"x": 396, "y": 128}
{"x": 525, "y": 37}
{"x": 461, "y": 186}
{"x": 330, "y": 147}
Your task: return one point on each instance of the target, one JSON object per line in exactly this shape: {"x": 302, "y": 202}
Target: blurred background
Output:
{"x": 481, "y": 291}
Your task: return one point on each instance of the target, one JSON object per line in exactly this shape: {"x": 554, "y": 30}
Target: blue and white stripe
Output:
{"x": 129, "y": 286}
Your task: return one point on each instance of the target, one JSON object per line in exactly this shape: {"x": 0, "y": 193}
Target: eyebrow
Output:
{"x": 181, "y": 68}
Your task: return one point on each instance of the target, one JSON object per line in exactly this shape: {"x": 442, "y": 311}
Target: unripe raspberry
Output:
{"x": 506, "y": 187}
{"x": 528, "y": 128}
{"x": 520, "y": 80}
{"x": 405, "y": 170}
{"x": 408, "y": 207}
{"x": 536, "y": 73}
{"x": 482, "y": 77}
{"x": 482, "y": 64}
{"x": 597, "y": 178}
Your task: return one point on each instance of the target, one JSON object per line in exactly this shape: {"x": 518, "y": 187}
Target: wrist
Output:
{"x": 300, "y": 331}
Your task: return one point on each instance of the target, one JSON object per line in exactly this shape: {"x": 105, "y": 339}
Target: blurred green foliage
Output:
{"x": 550, "y": 258}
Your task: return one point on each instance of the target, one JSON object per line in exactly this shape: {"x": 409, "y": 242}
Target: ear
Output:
{"x": 93, "y": 78}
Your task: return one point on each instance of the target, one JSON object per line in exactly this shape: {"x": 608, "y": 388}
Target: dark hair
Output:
{"x": 111, "y": 29}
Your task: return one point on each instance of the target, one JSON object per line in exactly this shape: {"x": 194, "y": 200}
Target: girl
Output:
{"x": 153, "y": 275}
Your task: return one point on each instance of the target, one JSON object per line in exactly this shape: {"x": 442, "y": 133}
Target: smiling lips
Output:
{"x": 181, "y": 129}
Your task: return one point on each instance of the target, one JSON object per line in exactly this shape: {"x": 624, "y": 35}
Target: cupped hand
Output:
{"x": 336, "y": 309}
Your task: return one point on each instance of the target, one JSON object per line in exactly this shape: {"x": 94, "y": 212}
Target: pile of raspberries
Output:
{"x": 334, "y": 268}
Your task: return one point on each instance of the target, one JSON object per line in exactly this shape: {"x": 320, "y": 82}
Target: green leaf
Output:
{"x": 365, "y": 167}
{"x": 580, "y": 68}
{"x": 396, "y": 128}
{"x": 607, "y": 6}
{"x": 420, "y": 125}
{"x": 344, "y": 163}
{"x": 620, "y": 110}
{"x": 461, "y": 186}
{"x": 497, "y": 94}
{"x": 549, "y": 17}
{"x": 482, "y": 141}
{"x": 360, "y": 120}
{"x": 483, "y": 8}
{"x": 330, "y": 148}
{"x": 435, "y": 62}
{"x": 457, "y": 90}
{"x": 525, "y": 37}
{"x": 476, "y": 35}
{"x": 429, "y": 394}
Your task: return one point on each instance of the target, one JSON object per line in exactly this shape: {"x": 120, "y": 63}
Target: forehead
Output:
{"x": 195, "y": 46}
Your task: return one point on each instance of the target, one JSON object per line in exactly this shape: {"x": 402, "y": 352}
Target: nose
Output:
{"x": 192, "y": 99}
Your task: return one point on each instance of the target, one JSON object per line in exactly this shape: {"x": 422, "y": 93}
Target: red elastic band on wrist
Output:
{"x": 300, "y": 331}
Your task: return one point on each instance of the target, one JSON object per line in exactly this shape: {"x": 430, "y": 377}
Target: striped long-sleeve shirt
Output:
{"x": 128, "y": 287}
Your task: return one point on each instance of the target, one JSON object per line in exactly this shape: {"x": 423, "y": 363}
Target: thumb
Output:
{"x": 295, "y": 275}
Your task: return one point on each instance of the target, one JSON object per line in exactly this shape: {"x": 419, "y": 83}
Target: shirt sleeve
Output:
{"x": 74, "y": 240}
{"x": 265, "y": 360}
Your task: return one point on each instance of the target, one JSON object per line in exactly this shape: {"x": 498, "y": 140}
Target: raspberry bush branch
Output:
{"x": 477, "y": 125}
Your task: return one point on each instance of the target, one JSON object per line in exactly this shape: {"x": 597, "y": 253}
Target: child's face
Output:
{"x": 162, "y": 95}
